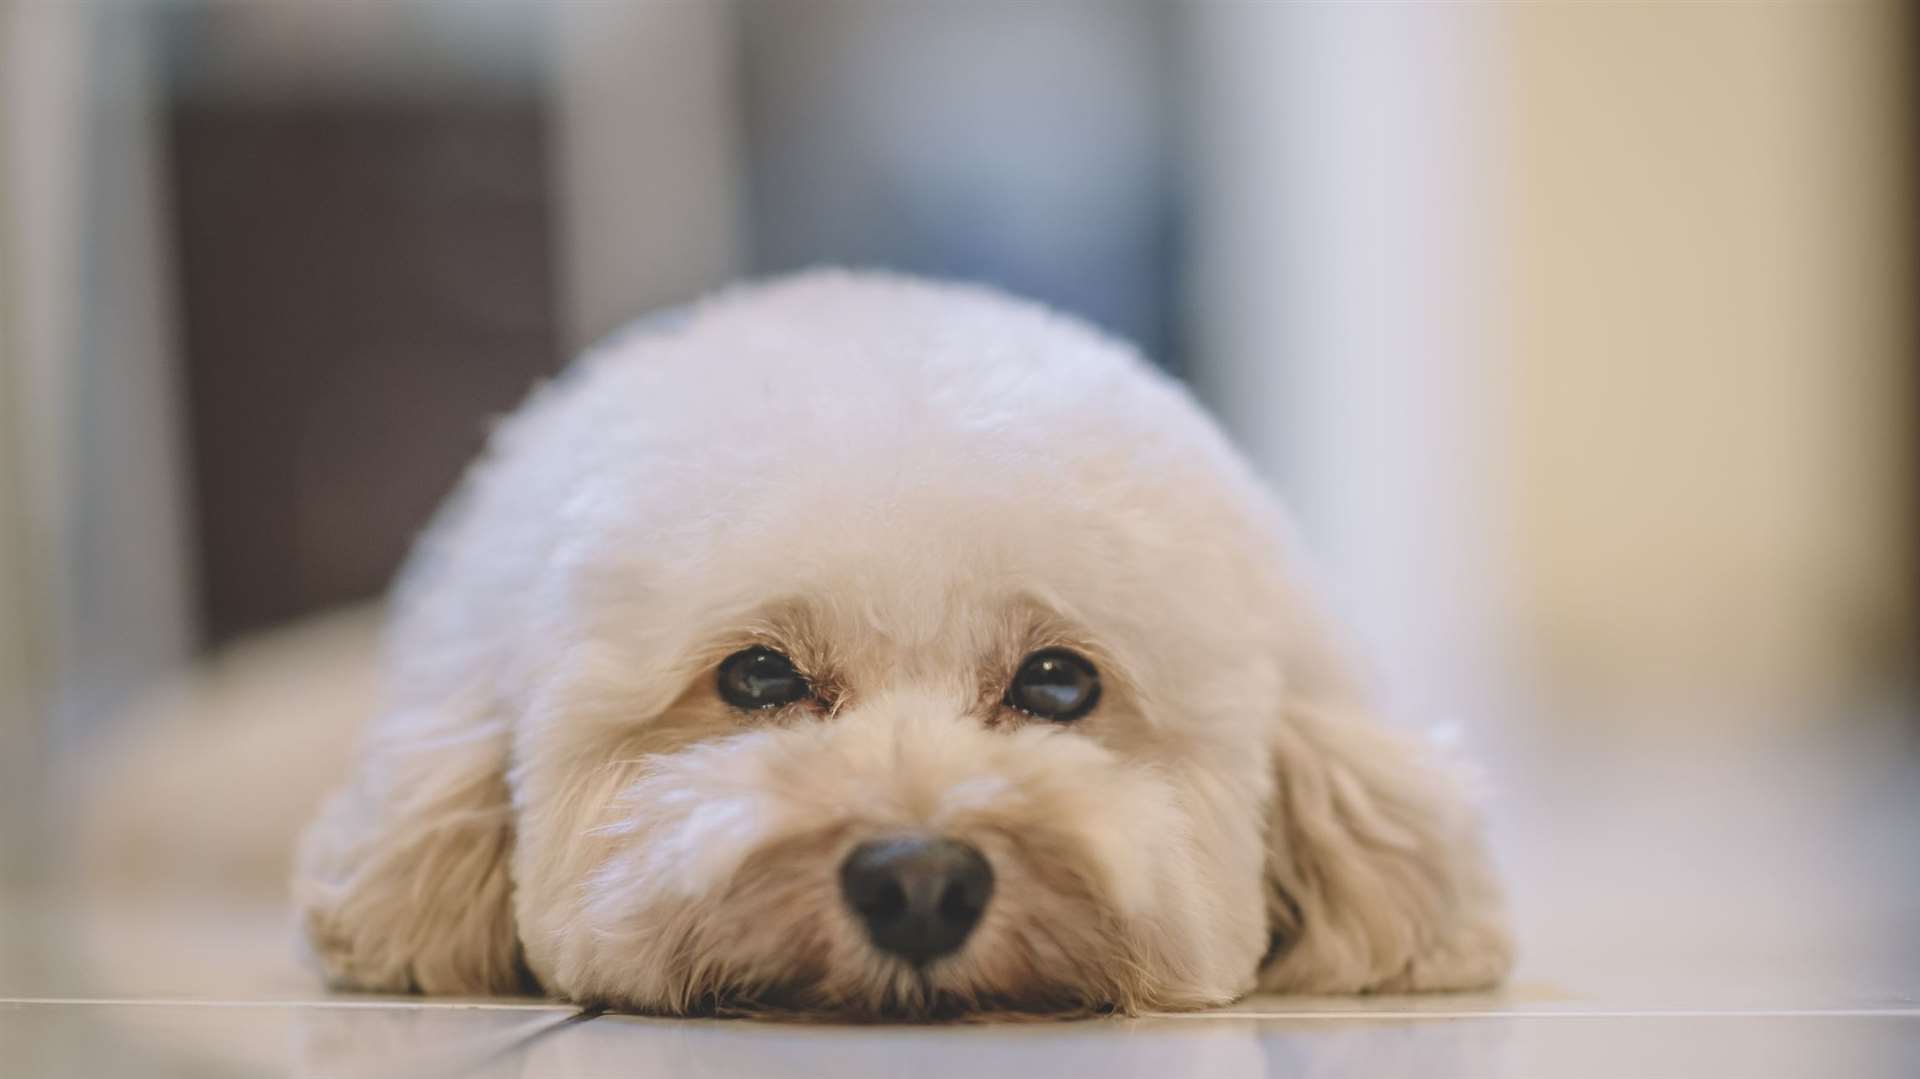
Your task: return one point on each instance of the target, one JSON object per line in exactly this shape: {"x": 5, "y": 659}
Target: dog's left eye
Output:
{"x": 1055, "y": 684}
{"x": 759, "y": 677}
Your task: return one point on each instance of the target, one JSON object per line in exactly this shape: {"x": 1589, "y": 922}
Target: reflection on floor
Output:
{"x": 1691, "y": 912}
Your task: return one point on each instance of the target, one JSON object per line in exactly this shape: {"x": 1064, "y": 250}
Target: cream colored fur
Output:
{"x": 906, "y": 487}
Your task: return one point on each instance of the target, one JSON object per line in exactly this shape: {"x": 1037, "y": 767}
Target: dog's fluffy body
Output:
{"x": 906, "y": 487}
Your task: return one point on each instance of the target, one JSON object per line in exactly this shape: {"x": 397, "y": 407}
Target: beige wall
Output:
{"x": 1709, "y": 313}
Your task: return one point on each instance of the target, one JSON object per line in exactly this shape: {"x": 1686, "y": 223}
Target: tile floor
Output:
{"x": 1691, "y": 912}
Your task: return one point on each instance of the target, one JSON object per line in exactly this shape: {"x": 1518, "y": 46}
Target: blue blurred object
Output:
{"x": 1029, "y": 146}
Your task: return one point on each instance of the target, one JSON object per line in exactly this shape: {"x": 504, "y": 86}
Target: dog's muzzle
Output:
{"x": 918, "y": 896}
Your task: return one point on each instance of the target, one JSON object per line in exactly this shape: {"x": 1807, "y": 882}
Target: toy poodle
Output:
{"x": 863, "y": 646}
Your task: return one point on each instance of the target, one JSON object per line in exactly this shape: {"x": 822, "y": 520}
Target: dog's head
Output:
{"x": 875, "y": 647}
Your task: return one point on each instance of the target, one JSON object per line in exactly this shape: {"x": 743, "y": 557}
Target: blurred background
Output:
{"x": 1581, "y": 338}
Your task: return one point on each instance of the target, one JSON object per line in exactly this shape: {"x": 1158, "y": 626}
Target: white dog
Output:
{"x": 882, "y": 648}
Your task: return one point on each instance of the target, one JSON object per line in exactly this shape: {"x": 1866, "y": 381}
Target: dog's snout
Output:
{"x": 918, "y": 896}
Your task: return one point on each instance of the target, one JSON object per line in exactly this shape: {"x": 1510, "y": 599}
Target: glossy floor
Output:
{"x": 1688, "y": 912}
{"x": 1264, "y": 1040}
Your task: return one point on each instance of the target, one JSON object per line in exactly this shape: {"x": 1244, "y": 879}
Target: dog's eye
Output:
{"x": 760, "y": 677}
{"x": 1055, "y": 684}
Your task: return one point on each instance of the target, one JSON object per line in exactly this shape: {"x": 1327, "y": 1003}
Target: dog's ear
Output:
{"x": 403, "y": 881}
{"x": 1377, "y": 876}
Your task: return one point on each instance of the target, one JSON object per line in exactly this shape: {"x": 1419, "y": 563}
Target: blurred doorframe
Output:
{"x": 94, "y": 538}
{"x": 20, "y": 689}
{"x": 648, "y": 159}
{"x": 1340, "y": 298}
{"x": 39, "y": 58}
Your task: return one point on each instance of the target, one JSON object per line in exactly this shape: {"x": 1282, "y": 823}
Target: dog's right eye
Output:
{"x": 759, "y": 677}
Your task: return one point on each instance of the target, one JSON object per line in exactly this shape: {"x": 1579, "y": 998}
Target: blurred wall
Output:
{"x": 1578, "y": 336}
{"x": 1708, "y": 217}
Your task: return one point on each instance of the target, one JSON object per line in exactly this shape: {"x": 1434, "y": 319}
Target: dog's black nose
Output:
{"x": 919, "y": 896}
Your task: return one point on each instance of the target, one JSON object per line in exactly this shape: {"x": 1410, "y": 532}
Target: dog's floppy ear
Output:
{"x": 403, "y": 882}
{"x": 1377, "y": 877}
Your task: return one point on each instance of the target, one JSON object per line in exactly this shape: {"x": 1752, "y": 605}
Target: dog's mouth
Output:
{"x": 897, "y": 990}
{"x": 924, "y": 1001}
{"x": 907, "y": 942}
{"x": 826, "y": 891}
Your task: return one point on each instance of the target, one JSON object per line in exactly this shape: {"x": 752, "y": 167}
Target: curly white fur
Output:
{"x": 906, "y": 487}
